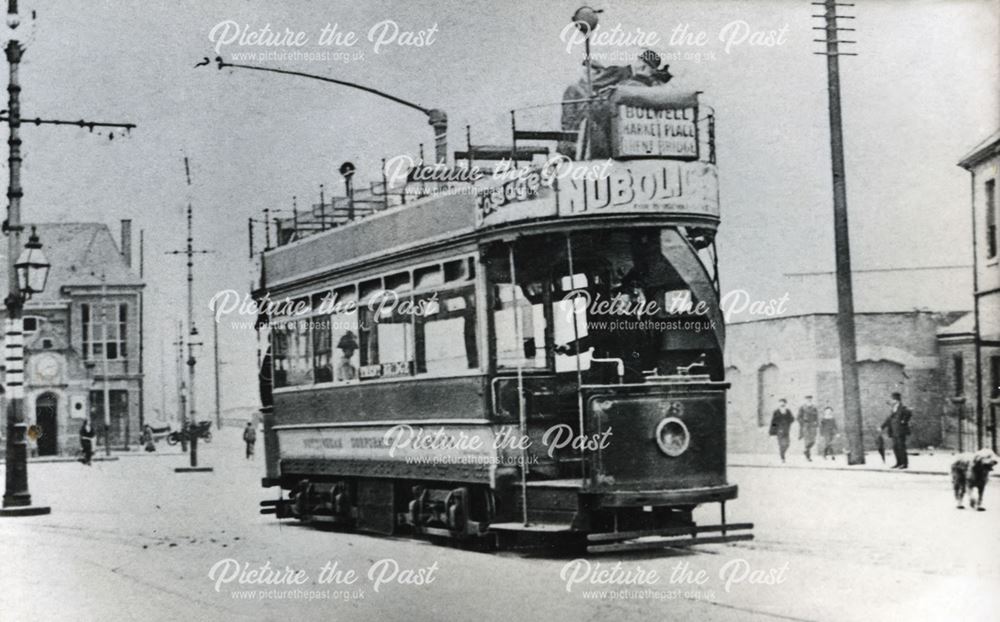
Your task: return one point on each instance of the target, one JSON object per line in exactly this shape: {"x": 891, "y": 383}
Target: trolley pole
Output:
{"x": 853, "y": 419}
{"x": 436, "y": 118}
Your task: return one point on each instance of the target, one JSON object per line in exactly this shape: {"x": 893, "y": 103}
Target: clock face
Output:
{"x": 47, "y": 367}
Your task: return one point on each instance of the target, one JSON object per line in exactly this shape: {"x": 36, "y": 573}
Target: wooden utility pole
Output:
{"x": 218, "y": 386}
{"x": 853, "y": 419}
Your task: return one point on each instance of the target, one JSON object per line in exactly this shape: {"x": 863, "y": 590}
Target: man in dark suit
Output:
{"x": 897, "y": 424}
{"x": 781, "y": 423}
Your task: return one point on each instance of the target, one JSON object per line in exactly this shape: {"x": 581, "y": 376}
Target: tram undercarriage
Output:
{"x": 561, "y": 516}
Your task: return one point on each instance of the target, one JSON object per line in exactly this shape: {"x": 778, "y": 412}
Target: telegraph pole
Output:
{"x": 189, "y": 252}
{"x": 218, "y": 386}
{"x": 17, "y": 498}
{"x": 853, "y": 418}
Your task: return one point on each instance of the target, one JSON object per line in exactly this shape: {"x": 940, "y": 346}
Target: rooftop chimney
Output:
{"x": 127, "y": 241}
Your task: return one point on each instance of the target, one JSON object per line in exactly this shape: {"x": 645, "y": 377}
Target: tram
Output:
{"x": 531, "y": 358}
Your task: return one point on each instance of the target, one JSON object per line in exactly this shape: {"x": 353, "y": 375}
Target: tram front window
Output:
{"x": 587, "y": 300}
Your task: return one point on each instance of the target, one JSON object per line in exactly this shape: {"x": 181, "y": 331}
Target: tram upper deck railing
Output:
{"x": 637, "y": 124}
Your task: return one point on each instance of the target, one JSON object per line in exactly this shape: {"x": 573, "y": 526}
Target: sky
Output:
{"x": 922, "y": 91}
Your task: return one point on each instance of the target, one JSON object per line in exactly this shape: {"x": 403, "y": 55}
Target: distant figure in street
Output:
{"x": 897, "y": 424}
{"x": 808, "y": 423}
{"x": 828, "y": 430}
{"x": 250, "y": 438}
{"x": 87, "y": 435}
{"x": 781, "y": 424}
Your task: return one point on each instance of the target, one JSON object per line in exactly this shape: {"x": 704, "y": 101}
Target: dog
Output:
{"x": 970, "y": 473}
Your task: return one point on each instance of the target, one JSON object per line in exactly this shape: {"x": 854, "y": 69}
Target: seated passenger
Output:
{"x": 644, "y": 71}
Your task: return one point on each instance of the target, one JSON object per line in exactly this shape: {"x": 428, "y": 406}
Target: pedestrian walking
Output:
{"x": 87, "y": 436}
{"x": 781, "y": 425}
{"x": 808, "y": 423}
{"x": 250, "y": 438}
{"x": 828, "y": 432}
{"x": 897, "y": 425}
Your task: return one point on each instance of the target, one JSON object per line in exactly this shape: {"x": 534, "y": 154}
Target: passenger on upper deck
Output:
{"x": 644, "y": 71}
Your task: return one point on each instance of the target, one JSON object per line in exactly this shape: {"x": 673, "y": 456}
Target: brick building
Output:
{"x": 88, "y": 313}
{"x": 898, "y": 349}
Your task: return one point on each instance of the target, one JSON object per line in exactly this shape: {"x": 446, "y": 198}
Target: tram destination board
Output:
{"x": 655, "y": 127}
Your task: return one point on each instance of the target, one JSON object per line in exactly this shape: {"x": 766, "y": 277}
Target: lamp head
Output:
{"x": 585, "y": 18}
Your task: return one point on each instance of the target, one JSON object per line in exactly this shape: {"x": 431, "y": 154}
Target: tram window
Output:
{"x": 300, "y": 364}
{"x": 344, "y": 335}
{"x": 318, "y": 298}
{"x": 399, "y": 282}
{"x": 428, "y": 276}
{"x": 279, "y": 350}
{"x": 514, "y": 319}
{"x": 569, "y": 323}
{"x": 459, "y": 270}
{"x": 386, "y": 331}
{"x": 368, "y": 289}
{"x": 322, "y": 349}
{"x": 446, "y": 332}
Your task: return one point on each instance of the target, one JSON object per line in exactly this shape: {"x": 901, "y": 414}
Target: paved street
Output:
{"x": 130, "y": 539}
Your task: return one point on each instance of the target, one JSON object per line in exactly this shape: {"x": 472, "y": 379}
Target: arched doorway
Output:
{"x": 47, "y": 418}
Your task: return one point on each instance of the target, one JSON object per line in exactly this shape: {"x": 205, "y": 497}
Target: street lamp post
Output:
{"x": 26, "y": 274}
{"x": 16, "y": 499}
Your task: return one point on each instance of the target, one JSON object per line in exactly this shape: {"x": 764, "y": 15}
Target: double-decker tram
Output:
{"x": 535, "y": 357}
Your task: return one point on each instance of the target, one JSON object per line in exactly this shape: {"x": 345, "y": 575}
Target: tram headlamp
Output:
{"x": 672, "y": 436}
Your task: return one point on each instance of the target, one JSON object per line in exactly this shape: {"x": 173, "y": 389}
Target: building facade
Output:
{"x": 983, "y": 164}
{"x": 83, "y": 340}
{"x": 902, "y": 320}
{"x": 792, "y": 357}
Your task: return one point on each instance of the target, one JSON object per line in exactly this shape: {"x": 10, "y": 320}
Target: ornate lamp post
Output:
{"x": 25, "y": 272}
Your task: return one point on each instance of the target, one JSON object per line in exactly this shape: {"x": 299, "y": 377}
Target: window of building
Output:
{"x": 105, "y": 331}
{"x": 990, "y": 190}
{"x": 31, "y": 324}
{"x": 958, "y": 373}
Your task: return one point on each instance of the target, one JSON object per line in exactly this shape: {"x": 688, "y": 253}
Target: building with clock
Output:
{"x": 83, "y": 339}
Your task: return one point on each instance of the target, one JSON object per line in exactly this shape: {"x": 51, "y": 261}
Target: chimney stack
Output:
{"x": 127, "y": 241}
